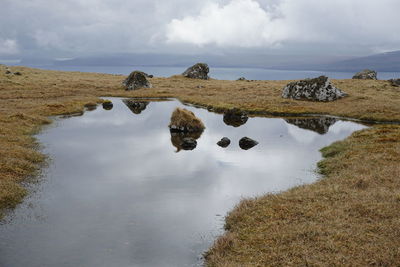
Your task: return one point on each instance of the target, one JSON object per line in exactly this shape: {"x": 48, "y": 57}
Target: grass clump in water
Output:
{"x": 184, "y": 120}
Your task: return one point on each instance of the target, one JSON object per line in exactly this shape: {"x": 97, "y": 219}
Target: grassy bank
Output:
{"x": 350, "y": 216}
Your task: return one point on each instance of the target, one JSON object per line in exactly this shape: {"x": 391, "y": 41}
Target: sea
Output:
{"x": 220, "y": 73}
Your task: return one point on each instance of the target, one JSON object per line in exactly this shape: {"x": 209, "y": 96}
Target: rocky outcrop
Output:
{"x": 183, "y": 120}
{"x": 317, "y": 89}
{"x": 197, "y": 71}
{"x": 318, "y": 125}
{"x": 235, "y": 117}
{"x": 246, "y": 143}
{"x": 224, "y": 142}
{"x": 395, "y": 82}
{"x": 135, "y": 106}
{"x": 107, "y": 105}
{"x": 366, "y": 75}
{"x": 136, "y": 80}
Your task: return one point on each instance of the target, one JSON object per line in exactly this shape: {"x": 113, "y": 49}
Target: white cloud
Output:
{"x": 8, "y": 46}
{"x": 251, "y": 23}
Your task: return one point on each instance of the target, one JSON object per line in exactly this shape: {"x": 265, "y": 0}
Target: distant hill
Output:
{"x": 388, "y": 62}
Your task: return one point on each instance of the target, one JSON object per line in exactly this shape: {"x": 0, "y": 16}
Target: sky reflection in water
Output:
{"x": 117, "y": 193}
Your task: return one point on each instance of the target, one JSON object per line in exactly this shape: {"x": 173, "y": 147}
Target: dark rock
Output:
{"x": 235, "y": 117}
{"x": 319, "y": 125}
{"x": 395, "y": 82}
{"x": 242, "y": 79}
{"x": 180, "y": 140}
{"x": 224, "y": 142}
{"x": 107, "y": 105}
{"x": 8, "y": 72}
{"x": 135, "y": 106}
{"x": 317, "y": 89}
{"x": 136, "y": 80}
{"x": 188, "y": 143}
{"x": 197, "y": 71}
{"x": 18, "y": 73}
{"x": 366, "y": 75}
{"x": 246, "y": 143}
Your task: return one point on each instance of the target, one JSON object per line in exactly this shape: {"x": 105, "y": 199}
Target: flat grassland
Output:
{"x": 351, "y": 217}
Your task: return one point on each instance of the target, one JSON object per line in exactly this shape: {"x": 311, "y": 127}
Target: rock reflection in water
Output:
{"x": 234, "y": 117}
{"x": 178, "y": 142}
{"x": 319, "y": 125}
{"x": 135, "y": 106}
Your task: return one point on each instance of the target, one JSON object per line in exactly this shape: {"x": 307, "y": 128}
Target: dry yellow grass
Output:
{"x": 351, "y": 217}
{"x": 185, "y": 119}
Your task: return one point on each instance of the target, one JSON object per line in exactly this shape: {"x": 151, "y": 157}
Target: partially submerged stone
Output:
{"x": 395, "y": 82}
{"x": 197, "y": 71}
{"x": 184, "y": 141}
{"x": 107, "y": 105}
{"x": 188, "y": 143}
{"x": 319, "y": 125}
{"x": 317, "y": 89}
{"x": 246, "y": 143}
{"x": 183, "y": 120}
{"x": 366, "y": 75}
{"x": 224, "y": 142}
{"x": 235, "y": 117}
{"x": 135, "y": 106}
{"x": 136, "y": 80}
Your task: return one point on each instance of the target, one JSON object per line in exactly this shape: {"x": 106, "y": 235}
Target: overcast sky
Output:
{"x": 71, "y": 28}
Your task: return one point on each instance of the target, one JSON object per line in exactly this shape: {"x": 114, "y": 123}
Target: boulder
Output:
{"x": 183, "y": 120}
{"x": 395, "y": 82}
{"x": 318, "y": 125}
{"x": 107, "y": 105}
{"x": 224, "y": 142}
{"x": 235, "y": 117}
{"x": 135, "y": 106}
{"x": 18, "y": 73}
{"x": 197, "y": 71}
{"x": 246, "y": 143}
{"x": 136, "y": 80}
{"x": 241, "y": 79}
{"x": 366, "y": 75}
{"x": 317, "y": 89}
{"x": 188, "y": 143}
{"x": 8, "y": 72}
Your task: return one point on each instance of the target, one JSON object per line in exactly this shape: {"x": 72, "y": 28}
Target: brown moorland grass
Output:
{"x": 183, "y": 118}
{"x": 351, "y": 217}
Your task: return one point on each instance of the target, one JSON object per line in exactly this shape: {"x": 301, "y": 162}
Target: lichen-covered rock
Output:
{"x": 317, "y": 89}
{"x": 246, "y": 143}
{"x": 224, "y": 142}
{"x": 366, "y": 75}
{"x": 319, "y": 125}
{"x": 197, "y": 71}
{"x": 135, "y": 106}
{"x": 395, "y": 82}
{"x": 136, "y": 80}
{"x": 183, "y": 120}
{"x": 235, "y": 117}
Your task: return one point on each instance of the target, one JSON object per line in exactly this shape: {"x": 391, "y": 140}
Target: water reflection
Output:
{"x": 116, "y": 194}
{"x": 235, "y": 117}
{"x": 318, "y": 125}
{"x": 136, "y": 106}
{"x": 177, "y": 140}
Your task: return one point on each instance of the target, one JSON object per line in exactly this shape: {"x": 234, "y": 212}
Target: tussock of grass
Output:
{"x": 348, "y": 218}
{"x": 185, "y": 120}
